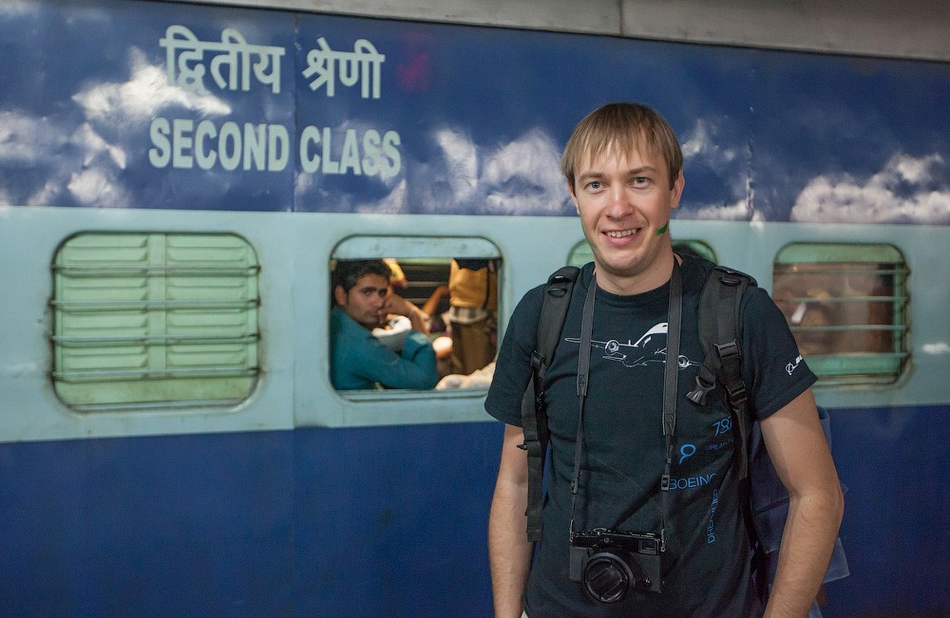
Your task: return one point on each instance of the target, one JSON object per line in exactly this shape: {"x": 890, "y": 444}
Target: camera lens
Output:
{"x": 608, "y": 577}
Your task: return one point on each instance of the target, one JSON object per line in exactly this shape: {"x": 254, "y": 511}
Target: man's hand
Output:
{"x": 394, "y": 303}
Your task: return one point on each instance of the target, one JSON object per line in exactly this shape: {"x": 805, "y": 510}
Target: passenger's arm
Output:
{"x": 395, "y": 303}
{"x": 800, "y": 453}
{"x": 432, "y": 303}
{"x": 414, "y": 368}
{"x": 508, "y": 548}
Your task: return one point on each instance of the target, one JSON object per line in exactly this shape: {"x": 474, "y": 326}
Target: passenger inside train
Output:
{"x": 472, "y": 323}
{"x": 363, "y": 301}
{"x": 473, "y": 313}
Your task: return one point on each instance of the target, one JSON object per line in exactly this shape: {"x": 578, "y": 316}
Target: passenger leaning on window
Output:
{"x": 363, "y": 301}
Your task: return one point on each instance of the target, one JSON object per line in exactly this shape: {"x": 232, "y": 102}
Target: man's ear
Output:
{"x": 339, "y": 295}
{"x": 570, "y": 189}
{"x": 677, "y": 191}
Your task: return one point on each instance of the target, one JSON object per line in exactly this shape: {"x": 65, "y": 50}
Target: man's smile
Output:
{"x": 621, "y": 233}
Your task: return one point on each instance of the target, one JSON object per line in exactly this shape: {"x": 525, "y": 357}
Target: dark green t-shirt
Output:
{"x": 706, "y": 565}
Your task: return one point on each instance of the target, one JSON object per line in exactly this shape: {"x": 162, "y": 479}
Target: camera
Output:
{"x": 611, "y": 563}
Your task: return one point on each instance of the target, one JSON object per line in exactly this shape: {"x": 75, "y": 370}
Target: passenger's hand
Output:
{"x": 395, "y": 303}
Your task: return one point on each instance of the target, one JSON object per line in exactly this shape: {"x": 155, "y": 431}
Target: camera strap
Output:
{"x": 671, "y": 366}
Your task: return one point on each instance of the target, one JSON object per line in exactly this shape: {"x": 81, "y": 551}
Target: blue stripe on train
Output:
{"x": 896, "y": 529}
{"x": 379, "y": 521}
{"x": 315, "y": 522}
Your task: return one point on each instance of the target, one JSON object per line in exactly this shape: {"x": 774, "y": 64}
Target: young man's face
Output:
{"x": 364, "y": 300}
{"x": 625, "y": 203}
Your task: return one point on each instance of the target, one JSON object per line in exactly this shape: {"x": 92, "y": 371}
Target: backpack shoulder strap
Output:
{"x": 767, "y": 501}
{"x": 718, "y": 317}
{"x": 554, "y": 306}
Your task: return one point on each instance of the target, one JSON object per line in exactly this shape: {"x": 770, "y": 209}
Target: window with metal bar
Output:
{"x": 154, "y": 319}
{"x": 847, "y": 305}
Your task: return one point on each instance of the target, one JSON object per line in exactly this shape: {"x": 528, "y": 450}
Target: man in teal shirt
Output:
{"x": 363, "y": 300}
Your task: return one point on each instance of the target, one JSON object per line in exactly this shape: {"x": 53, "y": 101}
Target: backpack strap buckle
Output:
{"x": 705, "y": 382}
{"x": 729, "y": 350}
{"x": 730, "y": 358}
{"x": 537, "y": 360}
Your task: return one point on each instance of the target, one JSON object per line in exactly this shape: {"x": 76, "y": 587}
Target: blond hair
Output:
{"x": 622, "y": 128}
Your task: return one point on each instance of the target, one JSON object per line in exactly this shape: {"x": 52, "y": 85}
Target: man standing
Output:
{"x": 623, "y": 166}
{"x": 358, "y": 360}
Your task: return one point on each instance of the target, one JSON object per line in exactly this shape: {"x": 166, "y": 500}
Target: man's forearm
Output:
{"x": 418, "y": 318}
{"x": 807, "y": 543}
{"x": 508, "y": 550}
{"x": 802, "y": 459}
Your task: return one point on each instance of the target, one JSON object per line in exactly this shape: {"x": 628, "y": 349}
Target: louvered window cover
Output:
{"x": 848, "y": 307}
{"x": 155, "y": 319}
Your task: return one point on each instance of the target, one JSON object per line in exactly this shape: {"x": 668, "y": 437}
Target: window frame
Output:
{"x": 823, "y": 259}
{"x": 411, "y": 247}
{"x": 154, "y": 320}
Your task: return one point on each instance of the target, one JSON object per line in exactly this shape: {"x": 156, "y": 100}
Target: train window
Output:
{"x": 154, "y": 319}
{"x": 581, "y": 252}
{"x": 847, "y": 307}
{"x": 442, "y": 331}
{"x": 695, "y": 247}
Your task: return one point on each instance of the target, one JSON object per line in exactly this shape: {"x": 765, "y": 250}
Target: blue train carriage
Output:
{"x": 176, "y": 180}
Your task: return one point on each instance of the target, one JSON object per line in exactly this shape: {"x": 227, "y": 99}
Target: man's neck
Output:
{"x": 657, "y": 276}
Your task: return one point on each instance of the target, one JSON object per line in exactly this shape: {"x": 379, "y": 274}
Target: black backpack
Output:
{"x": 719, "y": 306}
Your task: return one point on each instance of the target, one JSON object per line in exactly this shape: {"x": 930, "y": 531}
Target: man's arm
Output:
{"x": 414, "y": 367}
{"x": 508, "y": 548}
{"x": 395, "y": 303}
{"x": 799, "y": 451}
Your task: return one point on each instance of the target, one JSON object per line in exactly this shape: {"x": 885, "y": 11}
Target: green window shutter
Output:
{"x": 847, "y": 305}
{"x": 155, "y": 319}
